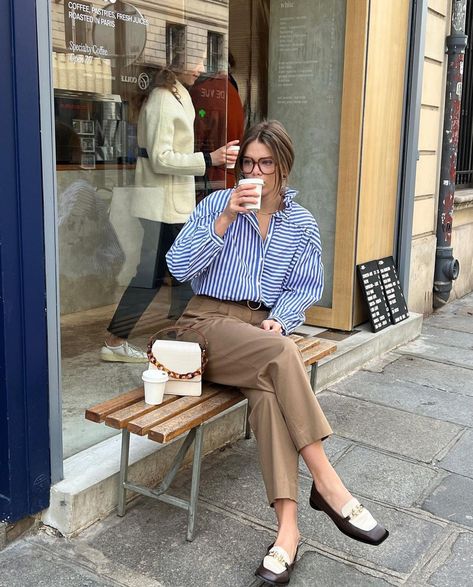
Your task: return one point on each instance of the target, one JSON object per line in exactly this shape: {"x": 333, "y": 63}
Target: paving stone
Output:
{"x": 456, "y": 306}
{"x": 384, "y": 478}
{"x": 409, "y": 539}
{"x": 459, "y": 460}
{"x": 455, "y": 321}
{"x": 451, "y": 500}
{"x": 445, "y": 336}
{"x": 431, "y": 347}
{"x": 458, "y": 569}
{"x": 433, "y": 375}
{"x": 231, "y": 481}
{"x": 397, "y": 431}
{"x": 466, "y": 300}
{"x": 28, "y": 565}
{"x": 151, "y": 539}
{"x": 391, "y": 388}
{"x": 334, "y": 447}
{"x": 316, "y": 570}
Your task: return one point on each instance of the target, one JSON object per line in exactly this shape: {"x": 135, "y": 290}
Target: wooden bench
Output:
{"x": 179, "y": 415}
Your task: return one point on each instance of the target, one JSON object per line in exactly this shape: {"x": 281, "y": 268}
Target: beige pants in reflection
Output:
{"x": 285, "y": 415}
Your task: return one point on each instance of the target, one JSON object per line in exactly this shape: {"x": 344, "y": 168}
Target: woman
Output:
{"x": 254, "y": 275}
{"x": 165, "y": 172}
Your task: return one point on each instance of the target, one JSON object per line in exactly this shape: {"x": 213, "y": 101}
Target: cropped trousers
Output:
{"x": 285, "y": 415}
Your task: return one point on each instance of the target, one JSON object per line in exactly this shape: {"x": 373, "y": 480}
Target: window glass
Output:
{"x": 133, "y": 87}
{"x": 128, "y": 82}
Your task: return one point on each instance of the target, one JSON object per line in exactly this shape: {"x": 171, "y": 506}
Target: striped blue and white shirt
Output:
{"x": 284, "y": 271}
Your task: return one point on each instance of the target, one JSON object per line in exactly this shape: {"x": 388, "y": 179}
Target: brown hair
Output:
{"x": 272, "y": 134}
{"x": 166, "y": 78}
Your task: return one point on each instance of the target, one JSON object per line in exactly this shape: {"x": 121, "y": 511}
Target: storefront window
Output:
{"x": 228, "y": 63}
{"x": 108, "y": 58}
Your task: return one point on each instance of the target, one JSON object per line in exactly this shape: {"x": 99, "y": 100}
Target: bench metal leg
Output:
{"x": 195, "y": 435}
{"x": 196, "y": 464}
{"x": 123, "y": 475}
{"x": 247, "y": 425}
{"x": 313, "y": 377}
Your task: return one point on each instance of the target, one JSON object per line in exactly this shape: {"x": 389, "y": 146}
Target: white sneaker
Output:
{"x": 123, "y": 353}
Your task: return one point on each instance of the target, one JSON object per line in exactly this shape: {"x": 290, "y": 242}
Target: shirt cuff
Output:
{"x": 214, "y": 236}
{"x": 207, "y": 159}
{"x": 283, "y": 325}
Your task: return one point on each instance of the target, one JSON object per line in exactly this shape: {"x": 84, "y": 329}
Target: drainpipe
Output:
{"x": 447, "y": 268}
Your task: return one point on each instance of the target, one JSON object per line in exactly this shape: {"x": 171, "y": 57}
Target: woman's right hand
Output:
{"x": 239, "y": 196}
{"x": 223, "y": 156}
{"x": 244, "y": 194}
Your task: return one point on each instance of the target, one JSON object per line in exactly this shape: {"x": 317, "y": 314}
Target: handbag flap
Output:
{"x": 179, "y": 356}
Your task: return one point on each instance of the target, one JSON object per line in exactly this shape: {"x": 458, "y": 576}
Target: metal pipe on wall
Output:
{"x": 447, "y": 268}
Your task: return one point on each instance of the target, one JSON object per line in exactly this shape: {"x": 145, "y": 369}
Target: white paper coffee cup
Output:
{"x": 258, "y": 183}
{"x": 154, "y": 382}
{"x": 235, "y": 148}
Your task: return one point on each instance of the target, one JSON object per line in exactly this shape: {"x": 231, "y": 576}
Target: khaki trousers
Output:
{"x": 284, "y": 413}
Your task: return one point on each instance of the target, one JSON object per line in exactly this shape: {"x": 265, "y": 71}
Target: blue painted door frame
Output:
{"x": 24, "y": 430}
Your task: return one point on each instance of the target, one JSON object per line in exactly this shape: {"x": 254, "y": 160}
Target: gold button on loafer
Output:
{"x": 355, "y": 521}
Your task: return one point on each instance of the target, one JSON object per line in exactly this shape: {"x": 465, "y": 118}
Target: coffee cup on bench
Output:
{"x": 154, "y": 383}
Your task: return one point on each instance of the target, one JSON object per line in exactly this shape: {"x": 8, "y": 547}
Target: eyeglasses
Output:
{"x": 266, "y": 165}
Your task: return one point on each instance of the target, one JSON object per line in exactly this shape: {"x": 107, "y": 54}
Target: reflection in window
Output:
{"x": 175, "y": 43}
{"x": 78, "y": 30}
{"x": 214, "y": 52}
{"x": 106, "y": 59}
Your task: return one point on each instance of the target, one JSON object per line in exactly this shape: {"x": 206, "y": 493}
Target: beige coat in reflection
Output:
{"x": 165, "y": 186}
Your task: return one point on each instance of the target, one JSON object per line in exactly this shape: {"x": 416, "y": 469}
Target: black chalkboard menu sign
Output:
{"x": 382, "y": 291}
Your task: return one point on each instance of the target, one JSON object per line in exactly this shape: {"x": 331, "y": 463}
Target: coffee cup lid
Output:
{"x": 252, "y": 180}
{"x": 154, "y": 376}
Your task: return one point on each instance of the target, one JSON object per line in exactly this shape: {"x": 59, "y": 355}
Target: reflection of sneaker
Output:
{"x": 124, "y": 353}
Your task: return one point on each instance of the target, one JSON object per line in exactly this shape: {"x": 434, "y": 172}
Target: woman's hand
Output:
{"x": 244, "y": 194}
{"x": 223, "y": 156}
{"x": 239, "y": 196}
{"x": 271, "y": 326}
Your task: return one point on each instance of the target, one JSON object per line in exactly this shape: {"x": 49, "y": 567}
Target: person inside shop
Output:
{"x": 165, "y": 168}
{"x": 219, "y": 113}
{"x": 254, "y": 274}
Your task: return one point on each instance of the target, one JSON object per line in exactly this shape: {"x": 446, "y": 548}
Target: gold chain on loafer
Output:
{"x": 356, "y": 511}
{"x": 278, "y": 556}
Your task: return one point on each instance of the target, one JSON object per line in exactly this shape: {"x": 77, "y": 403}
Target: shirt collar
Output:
{"x": 288, "y": 197}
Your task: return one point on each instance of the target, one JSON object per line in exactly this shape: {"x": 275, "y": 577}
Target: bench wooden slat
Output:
{"x": 195, "y": 416}
{"x": 121, "y": 418}
{"x": 143, "y": 424}
{"x": 99, "y": 412}
{"x": 296, "y": 337}
{"x": 307, "y": 343}
{"x": 313, "y": 355}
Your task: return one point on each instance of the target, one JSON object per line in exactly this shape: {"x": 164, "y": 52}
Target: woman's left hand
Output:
{"x": 223, "y": 156}
{"x": 271, "y": 326}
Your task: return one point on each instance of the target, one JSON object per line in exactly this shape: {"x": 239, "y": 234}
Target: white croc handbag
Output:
{"x": 183, "y": 361}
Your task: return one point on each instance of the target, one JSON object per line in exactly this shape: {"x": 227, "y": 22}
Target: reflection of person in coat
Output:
{"x": 163, "y": 200}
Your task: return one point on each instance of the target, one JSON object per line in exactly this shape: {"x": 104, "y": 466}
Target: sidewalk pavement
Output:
{"x": 403, "y": 444}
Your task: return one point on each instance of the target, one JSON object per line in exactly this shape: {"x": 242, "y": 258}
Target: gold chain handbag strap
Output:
{"x": 203, "y": 351}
